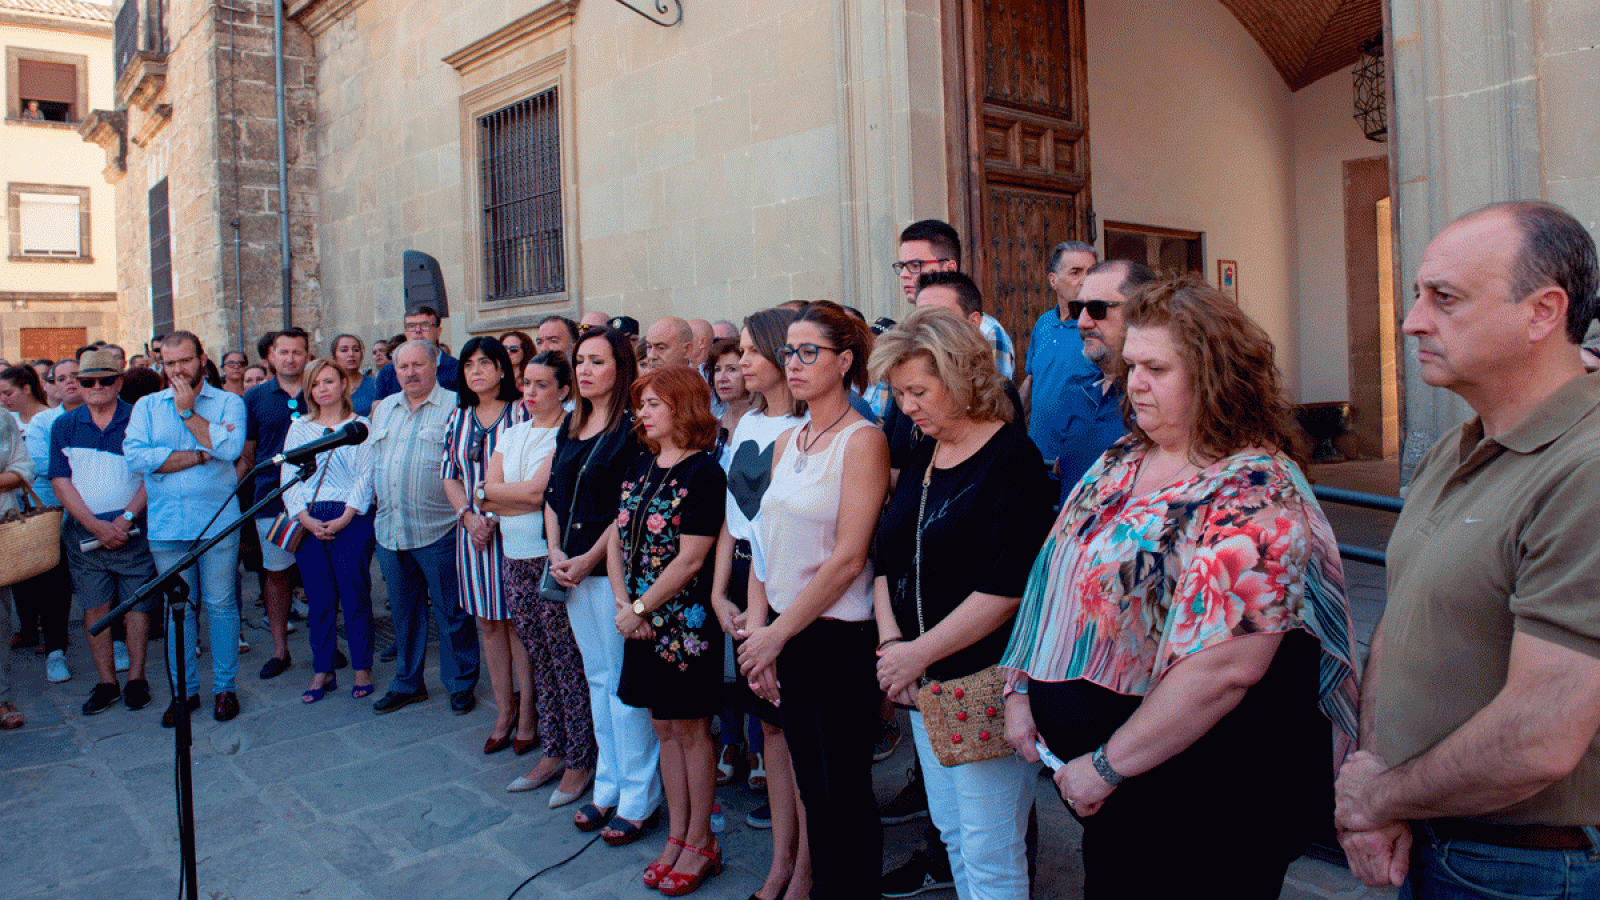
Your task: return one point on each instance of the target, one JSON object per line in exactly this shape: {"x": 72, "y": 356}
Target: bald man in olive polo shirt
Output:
{"x": 1479, "y": 770}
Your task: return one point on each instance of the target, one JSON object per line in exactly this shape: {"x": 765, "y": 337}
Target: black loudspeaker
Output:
{"x": 424, "y": 283}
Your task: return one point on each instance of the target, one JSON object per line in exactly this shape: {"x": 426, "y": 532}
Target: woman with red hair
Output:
{"x": 658, "y": 560}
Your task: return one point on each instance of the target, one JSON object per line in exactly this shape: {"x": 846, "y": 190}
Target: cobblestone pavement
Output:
{"x": 331, "y": 801}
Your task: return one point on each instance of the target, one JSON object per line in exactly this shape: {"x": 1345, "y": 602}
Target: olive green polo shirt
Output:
{"x": 1496, "y": 536}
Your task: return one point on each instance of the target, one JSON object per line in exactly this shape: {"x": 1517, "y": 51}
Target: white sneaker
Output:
{"x": 244, "y": 645}
{"x": 55, "y": 667}
{"x": 120, "y": 651}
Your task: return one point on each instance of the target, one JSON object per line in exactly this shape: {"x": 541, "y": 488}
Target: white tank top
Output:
{"x": 798, "y": 529}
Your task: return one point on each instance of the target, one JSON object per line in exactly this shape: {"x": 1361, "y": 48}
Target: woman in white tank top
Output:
{"x": 810, "y": 566}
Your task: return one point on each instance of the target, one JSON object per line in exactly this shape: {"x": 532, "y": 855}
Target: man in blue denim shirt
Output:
{"x": 1077, "y": 413}
{"x": 184, "y": 441}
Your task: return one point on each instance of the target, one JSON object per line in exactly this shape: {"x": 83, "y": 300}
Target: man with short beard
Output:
{"x": 1090, "y": 409}
{"x": 184, "y": 441}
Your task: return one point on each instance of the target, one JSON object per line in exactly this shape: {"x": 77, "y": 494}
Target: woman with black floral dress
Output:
{"x": 659, "y": 561}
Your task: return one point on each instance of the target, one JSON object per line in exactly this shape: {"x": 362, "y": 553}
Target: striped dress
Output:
{"x": 467, "y": 448}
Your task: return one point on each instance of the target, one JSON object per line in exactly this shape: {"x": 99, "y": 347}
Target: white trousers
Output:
{"x": 627, "y": 774}
{"x": 981, "y": 810}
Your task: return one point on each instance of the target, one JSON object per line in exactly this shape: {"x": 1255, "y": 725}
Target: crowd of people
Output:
{"x": 1112, "y": 565}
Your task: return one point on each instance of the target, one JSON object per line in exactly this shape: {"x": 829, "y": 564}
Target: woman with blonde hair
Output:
{"x": 335, "y": 509}
{"x": 953, "y": 550}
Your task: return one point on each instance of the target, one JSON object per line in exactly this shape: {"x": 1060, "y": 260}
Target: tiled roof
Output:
{"x": 71, "y": 9}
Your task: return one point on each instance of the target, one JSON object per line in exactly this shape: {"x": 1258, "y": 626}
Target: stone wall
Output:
{"x": 195, "y": 117}
{"x": 1487, "y": 107}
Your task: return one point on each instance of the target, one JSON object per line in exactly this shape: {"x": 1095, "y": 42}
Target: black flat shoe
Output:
{"x": 394, "y": 700}
{"x": 275, "y": 666}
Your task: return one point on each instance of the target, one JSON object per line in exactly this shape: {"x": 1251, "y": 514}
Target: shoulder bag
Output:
{"x": 965, "y": 717}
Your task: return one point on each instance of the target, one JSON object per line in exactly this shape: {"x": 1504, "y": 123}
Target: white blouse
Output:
{"x": 522, "y": 450}
{"x": 345, "y": 473}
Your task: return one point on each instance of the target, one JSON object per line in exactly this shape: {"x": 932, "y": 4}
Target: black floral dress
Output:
{"x": 678, "y": 674}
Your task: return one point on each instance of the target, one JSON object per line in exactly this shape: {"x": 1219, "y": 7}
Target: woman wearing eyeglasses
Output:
{"x": 486, "y": 401}
{"x": 335, "y": 509}
{"x": 816, "y": 659}
{"x": 594, "y": 451}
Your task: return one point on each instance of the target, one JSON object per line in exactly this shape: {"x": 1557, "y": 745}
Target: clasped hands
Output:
{"x": 1379, "y": 850}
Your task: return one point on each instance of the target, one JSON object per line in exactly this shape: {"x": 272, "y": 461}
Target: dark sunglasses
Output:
{"x": 102, "y": 381}
{"x": 475, "y": 452}
{"x": 1097, "y": 308}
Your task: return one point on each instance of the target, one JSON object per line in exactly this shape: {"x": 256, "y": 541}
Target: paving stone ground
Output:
{"x": 330, "y": 801}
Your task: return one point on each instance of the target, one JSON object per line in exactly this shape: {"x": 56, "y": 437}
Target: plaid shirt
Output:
{"x": 407, "y": 446}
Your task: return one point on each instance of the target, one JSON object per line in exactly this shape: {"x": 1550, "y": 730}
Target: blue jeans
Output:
{"x": 1467, "y": 870}
{"x": 417, "y": 579}
{"x": 214, "y": 585}
{"x": 338, "y": 575}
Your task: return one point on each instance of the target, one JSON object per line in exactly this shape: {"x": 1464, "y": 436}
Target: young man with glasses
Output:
{"x": 269, "y": 409}
{"x": 422, "y": 324}
{"x": 104, "y": 499}
{"x": 184, "y": 441}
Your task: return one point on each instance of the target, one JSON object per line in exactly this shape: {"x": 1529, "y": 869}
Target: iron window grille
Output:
{"x": 519, "y": 150}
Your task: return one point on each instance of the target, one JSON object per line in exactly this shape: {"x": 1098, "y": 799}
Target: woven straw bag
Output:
{"x": 30, "y": 540}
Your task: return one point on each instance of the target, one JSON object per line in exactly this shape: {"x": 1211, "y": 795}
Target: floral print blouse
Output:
{"x": 685, "y": 499}
{"x": 1128, "y": 586}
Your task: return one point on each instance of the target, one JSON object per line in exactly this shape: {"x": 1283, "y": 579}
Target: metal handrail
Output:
{"x": 1380, "y": 502}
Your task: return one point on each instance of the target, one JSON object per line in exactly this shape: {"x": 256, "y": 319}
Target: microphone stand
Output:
{"x": 171, "y": 585}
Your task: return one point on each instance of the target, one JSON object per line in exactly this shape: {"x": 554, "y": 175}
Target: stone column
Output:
{"x": 1492, "y": 100}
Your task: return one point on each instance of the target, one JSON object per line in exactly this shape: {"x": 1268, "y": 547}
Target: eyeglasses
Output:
{"x": 1097, "y": 308}
{"x": 103, "y": 381}
{"x": 420, "y": 327}
{"x": 475, "y": 452}
{"x": 915, "y": 266}
{"x": 806, "y": 352}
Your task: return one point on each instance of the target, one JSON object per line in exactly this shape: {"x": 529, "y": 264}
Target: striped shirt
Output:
{"x": 407, "y": 445}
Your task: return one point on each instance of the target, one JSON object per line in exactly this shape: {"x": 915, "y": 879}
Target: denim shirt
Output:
{"x": 182, "y": 502}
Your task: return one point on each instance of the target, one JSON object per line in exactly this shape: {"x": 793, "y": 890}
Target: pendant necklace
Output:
{"x": 805, "y": 446}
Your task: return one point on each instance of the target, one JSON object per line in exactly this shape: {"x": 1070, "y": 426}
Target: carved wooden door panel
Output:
{"x": 1027, "y": 172}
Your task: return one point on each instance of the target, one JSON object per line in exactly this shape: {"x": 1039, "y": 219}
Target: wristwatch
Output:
{"x": 128, "y": 515}
{"x": 481, "y": 495}
{"x": 638, "y": 607}
{"x": 1102, "y": 767}
{"x": 186, "y": 414}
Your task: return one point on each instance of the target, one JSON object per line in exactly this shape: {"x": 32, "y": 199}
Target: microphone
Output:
{"x": 351, "y": 433}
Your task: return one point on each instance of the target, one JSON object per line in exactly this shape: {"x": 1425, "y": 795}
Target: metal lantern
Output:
{"x": 1370, "y": 96}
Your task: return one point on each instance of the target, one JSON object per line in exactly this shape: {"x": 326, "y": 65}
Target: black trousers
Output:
{"x": 44, "y": 605}
{"x": 829, "y": 686}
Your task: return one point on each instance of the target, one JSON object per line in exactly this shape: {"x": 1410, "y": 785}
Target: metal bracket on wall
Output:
{"x": 665, "y": 13}
{"x": 1089, "y": 220}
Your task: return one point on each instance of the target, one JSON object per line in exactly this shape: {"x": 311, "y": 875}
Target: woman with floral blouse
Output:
{"x": 658, "y": 560}
{"x": 1183, "y": 640}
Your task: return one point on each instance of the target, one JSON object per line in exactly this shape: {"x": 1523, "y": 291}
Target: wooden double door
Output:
{"x": 1017, "y": 101}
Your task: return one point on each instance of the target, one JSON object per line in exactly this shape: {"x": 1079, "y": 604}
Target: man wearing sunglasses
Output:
{"x": 270, "y": 407}
{"x": 1089, "y": 410}
{"x": 104, "y": 500}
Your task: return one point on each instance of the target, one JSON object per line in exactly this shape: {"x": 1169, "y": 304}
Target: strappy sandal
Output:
{"x": 593, "y": 818}
{"x": 654, "y": 871}
{"x": 676, "y": 884}
{"x": 10, "y": 716}
{"x": 630, "y": 832}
